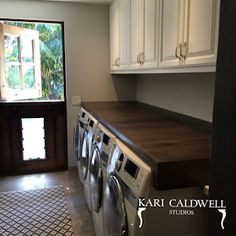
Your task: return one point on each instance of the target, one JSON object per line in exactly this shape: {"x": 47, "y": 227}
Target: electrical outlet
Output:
{"x": 76, "y": 100}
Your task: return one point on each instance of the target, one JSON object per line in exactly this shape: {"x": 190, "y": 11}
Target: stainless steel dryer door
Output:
{"x": 115, "y": 216}
{"x": 96, "y": 179}
{"x": 81, "y": 130}
{"x": 84, "y": 160}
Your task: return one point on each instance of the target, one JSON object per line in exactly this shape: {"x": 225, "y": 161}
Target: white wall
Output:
{"x": 86, "y": 48}
{"x": 190, "y": 94}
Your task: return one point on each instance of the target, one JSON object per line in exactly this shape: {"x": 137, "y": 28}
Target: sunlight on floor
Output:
{"x": 34, "y": 182}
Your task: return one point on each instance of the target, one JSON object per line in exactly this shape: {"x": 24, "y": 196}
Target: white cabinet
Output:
{"x": 114, "y": 35}
{"x": 143, "y": 33}
{"x": 119, "y": 34}
{"x": 188, "y": 33}
{"x": 158, "y": 36}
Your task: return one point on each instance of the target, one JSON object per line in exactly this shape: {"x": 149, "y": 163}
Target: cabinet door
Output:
{"x": 201, "y": 32}
{"x": 136, "y": 30}
{"x": 124, "y": 33}
{"x": 171, "y": 31}
{"x": 150, "y": 34}
{"x": 114, "y": 35}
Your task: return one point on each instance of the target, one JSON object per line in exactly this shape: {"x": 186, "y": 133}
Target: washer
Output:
{"x": 130, "y": 179}
{"x": 103, "y": 147}
{"x": 79, "y": 134}
{"x": 87, "y": 145}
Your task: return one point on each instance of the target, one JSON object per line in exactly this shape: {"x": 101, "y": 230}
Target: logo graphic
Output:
{"x": 223, "y": 211}
{"x": 179, "y": 207}
{"x": 140, "y": 211}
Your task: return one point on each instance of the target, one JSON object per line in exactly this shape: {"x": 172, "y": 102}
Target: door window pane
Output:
{"x": 33, "y": 138}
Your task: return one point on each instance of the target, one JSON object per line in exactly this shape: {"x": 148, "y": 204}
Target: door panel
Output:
{"x": 136, "y": 31}
{"x": 202, "y": 31}
{"x": 114, "y": 34}
{"x": 54, "y": 115}
{"x": 171, "y": 31}
{"x": 124, "y": 29}
{"x": 150, "y": 33}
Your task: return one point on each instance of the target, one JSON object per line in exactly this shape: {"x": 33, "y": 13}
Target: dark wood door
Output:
{"x": 11, "y": 147}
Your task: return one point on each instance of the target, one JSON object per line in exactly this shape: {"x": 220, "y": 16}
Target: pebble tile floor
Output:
{"x": 81, "y": 216}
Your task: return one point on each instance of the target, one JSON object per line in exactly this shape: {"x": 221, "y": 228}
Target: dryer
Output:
{"x": 129, "y": 179}
{"x": 103, "y": 148}
{"x": 79, "y": 134}
{"x": 87, "y": 146}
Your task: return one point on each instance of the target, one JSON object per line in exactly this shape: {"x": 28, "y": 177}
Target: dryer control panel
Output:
{"x": 134, "y": 172}
{"x": 105, "y": 142}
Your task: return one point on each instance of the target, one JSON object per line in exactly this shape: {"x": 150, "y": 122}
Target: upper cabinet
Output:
{"x": 188, "y": 32}
{"x": 143, "y": 34}
{"x": 164, "y": 35}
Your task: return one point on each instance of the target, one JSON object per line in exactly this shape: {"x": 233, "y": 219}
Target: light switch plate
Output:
{"x": 76, "y": 100}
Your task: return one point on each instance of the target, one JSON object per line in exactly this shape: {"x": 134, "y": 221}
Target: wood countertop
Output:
{"x": 176, "y": 146}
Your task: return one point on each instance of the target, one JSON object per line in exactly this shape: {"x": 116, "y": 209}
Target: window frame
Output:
{"x": 8, "y": 93}
{"x": 45, "y": 21}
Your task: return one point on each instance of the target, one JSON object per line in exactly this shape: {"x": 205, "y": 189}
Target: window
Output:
{"x": 21, "y": 75}
{"x": 31, "y": 57}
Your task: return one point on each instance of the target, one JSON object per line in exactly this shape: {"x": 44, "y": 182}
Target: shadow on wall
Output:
{"x": 125, "y": 87}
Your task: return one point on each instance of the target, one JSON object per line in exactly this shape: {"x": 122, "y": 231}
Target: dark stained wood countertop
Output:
{"x": 176, "y": 146}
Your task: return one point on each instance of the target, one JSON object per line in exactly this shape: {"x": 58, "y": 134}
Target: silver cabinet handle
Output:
{"x": 117, "y": 61}
{"x": 183, "y": 50}
{"x": 138, "y": 58}
{"x": 177, "y": 51}
{"x": 142, "y": 58}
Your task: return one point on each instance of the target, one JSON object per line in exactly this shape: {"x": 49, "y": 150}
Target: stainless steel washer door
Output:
{"x": 115, "y": 217}
{"x": 96, "y": 179}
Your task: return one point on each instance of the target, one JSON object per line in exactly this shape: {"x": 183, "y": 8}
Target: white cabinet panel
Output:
{"x": 136, "y": 30}
{"x": 150, "y": 34}
{"x": 170, "y": 32}
{"x": 124, "y": 24}
{"x": 119, "y": 34}
{"x": 202, "y": 31}
{"x": 114, "y": 35}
